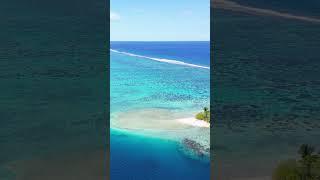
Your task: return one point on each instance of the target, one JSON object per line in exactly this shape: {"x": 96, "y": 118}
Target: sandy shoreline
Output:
{"x": 156, "y": 119}
{"x": 194, "y": 122}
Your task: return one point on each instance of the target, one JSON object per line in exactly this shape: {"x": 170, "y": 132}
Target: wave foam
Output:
{"x": 170, "y": 61}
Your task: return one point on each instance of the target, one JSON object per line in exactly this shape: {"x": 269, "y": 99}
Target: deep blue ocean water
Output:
{"x": 144, "y": 158}
{"x": 197, "y": 52}
{"x": 140, "y": 83}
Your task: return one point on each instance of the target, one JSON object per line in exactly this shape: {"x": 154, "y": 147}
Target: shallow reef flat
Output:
{"x": 148, "y": 119}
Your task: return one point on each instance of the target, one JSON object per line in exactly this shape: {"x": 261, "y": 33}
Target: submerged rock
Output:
{"x": 195, "y": 150}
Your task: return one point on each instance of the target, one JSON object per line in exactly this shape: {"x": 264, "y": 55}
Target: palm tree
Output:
{"x": 205, "y": 111}
{"x": 306, "y": 168}
{"x": 306, "y": 150}
{"x": 307, "y": 160}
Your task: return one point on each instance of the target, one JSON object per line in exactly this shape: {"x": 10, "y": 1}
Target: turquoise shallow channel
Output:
{"x": 151, "y": 89}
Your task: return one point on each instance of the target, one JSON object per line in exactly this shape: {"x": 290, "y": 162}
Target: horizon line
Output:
{"x": 160, "y": 41}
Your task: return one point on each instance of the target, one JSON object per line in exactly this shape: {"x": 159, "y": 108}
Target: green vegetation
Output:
{"x": 205, "y": 115}
{"x": 306, "y": 168}
{"x": 287, "y": 170}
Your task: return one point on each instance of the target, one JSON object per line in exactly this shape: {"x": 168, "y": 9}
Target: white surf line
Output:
{"x": 160, "y": 59}
{"x": 233, "y": 6}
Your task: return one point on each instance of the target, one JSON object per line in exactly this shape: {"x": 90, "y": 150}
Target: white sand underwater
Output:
{"x": 163, "y": 123}
{"x": 155, "y": 119}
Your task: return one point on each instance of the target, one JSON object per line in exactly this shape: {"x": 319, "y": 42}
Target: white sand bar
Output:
{"x": 155, "y": 119}
{"x": 194, "y": 122}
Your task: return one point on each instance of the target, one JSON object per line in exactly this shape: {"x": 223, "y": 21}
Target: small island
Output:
{"x": 204, "y": 116}
{"x": 201, "y": 119}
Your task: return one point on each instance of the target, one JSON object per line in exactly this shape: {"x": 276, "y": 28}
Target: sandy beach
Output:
{"x": 194, "y": 122}
{"x": 156, "y": 119}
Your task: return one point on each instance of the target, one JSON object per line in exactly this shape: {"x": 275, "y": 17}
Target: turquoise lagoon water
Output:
{"x": 171, "y": 89}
